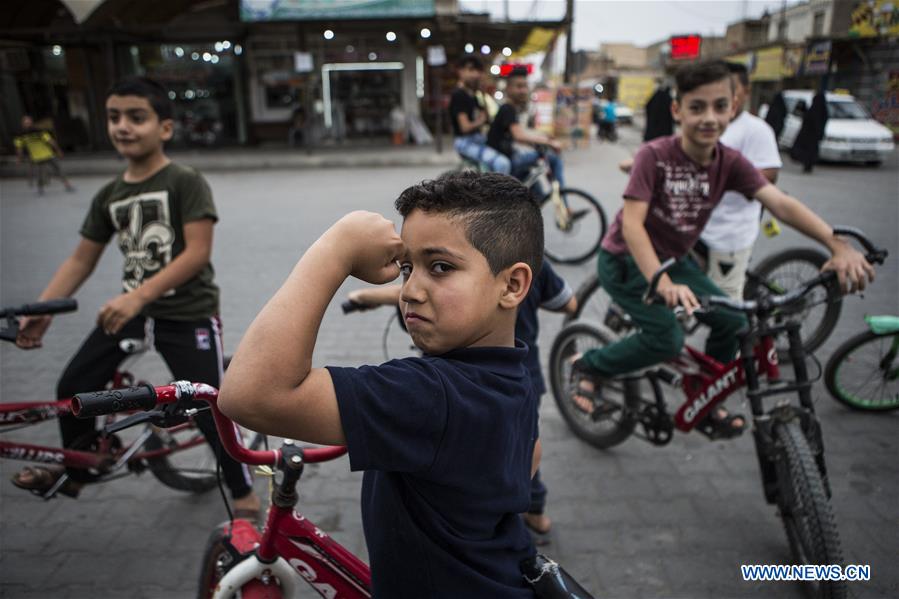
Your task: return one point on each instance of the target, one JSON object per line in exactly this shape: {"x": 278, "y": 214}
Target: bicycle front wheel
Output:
{"x": 623, "y": 395}
{"x": 188, "y": 462}
{"x": 806, "y": 513}
{"x": 863, "y": 373}
{"x": 818, "y": 311}
{"x": 573, "y": 231}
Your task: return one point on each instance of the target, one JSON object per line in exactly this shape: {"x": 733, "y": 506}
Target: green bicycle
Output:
{"x": 863, "y": 373}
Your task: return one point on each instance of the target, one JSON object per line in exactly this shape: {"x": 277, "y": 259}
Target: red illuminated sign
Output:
{"x": 685, "y": 46}
{"x": 506, "y": 69}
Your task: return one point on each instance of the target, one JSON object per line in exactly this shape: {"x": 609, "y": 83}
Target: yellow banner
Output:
{"x": 768, "y": 65}
{"x": 634, "y": 91}
{"x": 875, "y": 17}
{"x": 538, "y": 40}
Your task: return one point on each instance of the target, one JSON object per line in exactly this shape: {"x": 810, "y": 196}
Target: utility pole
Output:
{"x": 569, "y": 22}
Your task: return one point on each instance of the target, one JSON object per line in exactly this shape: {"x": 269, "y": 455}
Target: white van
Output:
{"x": 850, "y": 134}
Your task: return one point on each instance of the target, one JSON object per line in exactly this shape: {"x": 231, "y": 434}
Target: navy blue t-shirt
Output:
{"x": 550, "y": 291}
{"x": 446, "y": 444}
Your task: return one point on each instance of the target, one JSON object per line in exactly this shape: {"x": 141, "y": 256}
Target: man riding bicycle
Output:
{"x": 506, "y": 131}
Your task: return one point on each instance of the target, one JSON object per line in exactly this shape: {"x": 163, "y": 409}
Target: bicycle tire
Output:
{"x": 623, "y": 392}
{"x": 556, "y": 251}
{"x": 211, "y": 573}
{"x": 804, "y": 509}
{"x": 773, "y": 275}
{"x": 191, "y": 480}
{"x": 836, "y": 377}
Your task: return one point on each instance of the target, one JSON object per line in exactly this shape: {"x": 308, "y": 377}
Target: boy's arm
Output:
{"x": 68, "y": 278}
{"x": 529, "y": 136}
{"x": 640, "y": 247}
{"x": 270, "y": 385}
{"x": 467, "y": 126}
{"x": 849, "y": 264}
{"x": 538, "y": 455}
{"x": 195, "y": 256}
{"x": 388, "y": 295}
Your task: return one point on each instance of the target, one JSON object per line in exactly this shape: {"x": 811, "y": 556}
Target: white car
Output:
{"x": 850, "y": 134}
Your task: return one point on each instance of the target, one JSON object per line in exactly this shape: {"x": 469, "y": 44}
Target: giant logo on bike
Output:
{"x": 145, "y": 235}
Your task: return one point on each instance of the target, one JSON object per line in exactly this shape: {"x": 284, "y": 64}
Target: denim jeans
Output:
{"x": 474, "y": 147}
{"x": 523, "y": 160}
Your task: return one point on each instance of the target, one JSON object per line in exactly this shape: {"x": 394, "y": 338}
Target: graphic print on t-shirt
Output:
{"x": 145, "y": 235}
{"x": 684, "y": 185}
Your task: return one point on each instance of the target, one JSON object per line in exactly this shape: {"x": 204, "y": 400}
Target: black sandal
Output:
{"x": 719, "y": 424}
{"x": 581, "y": 372}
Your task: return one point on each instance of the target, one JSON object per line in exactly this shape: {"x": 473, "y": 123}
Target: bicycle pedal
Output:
{"x": 265, "y": 471}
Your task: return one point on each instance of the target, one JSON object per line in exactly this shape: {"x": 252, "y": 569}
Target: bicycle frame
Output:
{"x": 290, "y": 546}
{"x": 707, "y": 382}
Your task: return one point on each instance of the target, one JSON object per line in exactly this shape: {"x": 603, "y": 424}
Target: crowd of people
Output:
{"x": 449, "y": 441}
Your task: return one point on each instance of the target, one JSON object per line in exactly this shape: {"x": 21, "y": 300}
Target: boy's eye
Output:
{"x": 405, "y": 270}
{"x": 441, "y": 268}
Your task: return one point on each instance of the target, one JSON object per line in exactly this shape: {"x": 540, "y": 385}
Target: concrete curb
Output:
{"x": 107, "y": 164}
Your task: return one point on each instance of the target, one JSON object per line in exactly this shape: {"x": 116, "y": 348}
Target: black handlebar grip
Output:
{"x": 98, "y": 403}
{"x": 39, "y": 308}
{"x": 350, "y": 306}
{"x": 650, "y": 296}
{"x": 55, "y": 306}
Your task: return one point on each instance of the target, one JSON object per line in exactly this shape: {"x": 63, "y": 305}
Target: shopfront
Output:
{"x": 202, "y": 79}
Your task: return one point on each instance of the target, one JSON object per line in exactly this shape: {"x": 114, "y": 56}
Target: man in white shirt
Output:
{"x": 734, "y": 225}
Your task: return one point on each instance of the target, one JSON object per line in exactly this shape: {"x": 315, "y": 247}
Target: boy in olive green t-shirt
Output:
{"x": 162, "y": 216}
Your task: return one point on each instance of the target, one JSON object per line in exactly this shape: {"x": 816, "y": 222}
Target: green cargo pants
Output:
{"x": 660, "y": 337}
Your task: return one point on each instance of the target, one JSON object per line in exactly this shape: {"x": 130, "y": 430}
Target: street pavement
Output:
{"x": 635, "y": 521}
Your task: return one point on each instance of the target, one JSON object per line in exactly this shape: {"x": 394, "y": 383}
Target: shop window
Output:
{"x": 818, "y": 24}
{"x": 200, "y": 80}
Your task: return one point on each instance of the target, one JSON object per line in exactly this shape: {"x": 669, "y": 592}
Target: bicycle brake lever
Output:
{"x": 130, "y": 421}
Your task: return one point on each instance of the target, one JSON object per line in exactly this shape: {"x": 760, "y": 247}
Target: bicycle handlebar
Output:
{"x": 88, "y": 405}
{"x": 874, "y": 254}
{"x": 351, "y": 306}
{"x": 54, "y": 306}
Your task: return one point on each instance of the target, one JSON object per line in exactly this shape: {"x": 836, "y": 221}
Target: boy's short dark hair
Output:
{"x": 501, "y": 218}
{"x": 472, "y": 61}
{"x": 144, "y": 87}
{"x": 740, "y": 70}
{"x": 697, "y": 74}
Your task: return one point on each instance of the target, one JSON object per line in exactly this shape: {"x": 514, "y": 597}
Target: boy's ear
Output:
{"x": 168, "y": 128}
{"x": 675, "y": 111}
{"x": 517, "y": 280}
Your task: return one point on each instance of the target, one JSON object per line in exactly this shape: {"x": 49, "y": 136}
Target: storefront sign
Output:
{"x": 817, "y": 58}
{"x": 685, "y": 47}
{"x": 297, "y": 10}
{"x": 768, "y": 65}
{"x": 875, "y": 17}
{"x": 436, "y": 56}
{"x": 506, "y": 68}
{"x": 302, "y": 62}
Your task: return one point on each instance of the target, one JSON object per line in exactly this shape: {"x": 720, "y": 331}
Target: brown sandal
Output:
{"x": 42, "y": 480}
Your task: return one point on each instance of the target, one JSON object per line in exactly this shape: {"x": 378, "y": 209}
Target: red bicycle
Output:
{"x": 787, "y": 436}
{"x": 239, "y": 560}
{"x": 178, "y": 457}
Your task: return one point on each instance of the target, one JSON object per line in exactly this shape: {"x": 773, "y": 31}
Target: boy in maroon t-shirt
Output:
{"x": 675, "y": 183}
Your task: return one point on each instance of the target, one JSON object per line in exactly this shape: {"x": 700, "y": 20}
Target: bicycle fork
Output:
{"x": 768, "y": 451}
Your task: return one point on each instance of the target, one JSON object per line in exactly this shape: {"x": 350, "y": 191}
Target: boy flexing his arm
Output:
{"x": 448, "y": 441}
{"x": 675, "y": 183}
